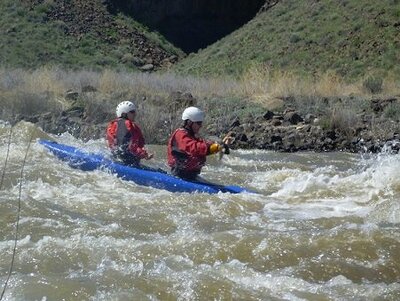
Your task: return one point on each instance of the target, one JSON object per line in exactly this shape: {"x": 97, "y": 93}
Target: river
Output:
{"x": 323, "y": 226}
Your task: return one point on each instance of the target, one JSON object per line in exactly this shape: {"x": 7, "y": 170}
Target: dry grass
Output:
{"x": 59, "y": 81}
{"x": 36, "y": 81}
{"x": 391, "y": 85}
{"x": 260, "y": 84}
{"x": 257, "y": 84}
{"x": 45, "y": 88}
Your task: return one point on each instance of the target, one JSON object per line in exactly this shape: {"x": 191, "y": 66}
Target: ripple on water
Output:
{"x": 324, "y": 226}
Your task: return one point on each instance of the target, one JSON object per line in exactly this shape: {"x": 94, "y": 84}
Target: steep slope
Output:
{"x": 350, "y": 37}
{"x": 191, "y": 24}
{"x": 76, "y": 34}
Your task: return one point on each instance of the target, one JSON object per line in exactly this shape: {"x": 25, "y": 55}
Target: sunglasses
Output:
{"x": 199, "y": 122}
{"x": 132, "y": 111}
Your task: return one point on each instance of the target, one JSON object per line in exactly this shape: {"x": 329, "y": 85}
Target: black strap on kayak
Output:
{"x": 148, "y": 168}
{"x": 220, "y": 187}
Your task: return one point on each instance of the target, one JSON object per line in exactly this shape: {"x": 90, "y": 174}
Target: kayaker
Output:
{"x": 186, "y": 151}
{"x": 125, "y": 138}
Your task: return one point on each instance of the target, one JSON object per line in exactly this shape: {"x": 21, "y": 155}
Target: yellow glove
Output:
{"x": 215, "y": 148}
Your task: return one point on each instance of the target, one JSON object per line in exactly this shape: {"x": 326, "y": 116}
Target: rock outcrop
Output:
{"x": 191, "y": 24}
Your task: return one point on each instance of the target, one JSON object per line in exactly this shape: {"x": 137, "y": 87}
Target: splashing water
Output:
{"x": 323, "y": 227}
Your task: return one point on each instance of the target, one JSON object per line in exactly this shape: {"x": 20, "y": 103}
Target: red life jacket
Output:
{"x": 125, "y": 138}
{"x": 186, "y": 152}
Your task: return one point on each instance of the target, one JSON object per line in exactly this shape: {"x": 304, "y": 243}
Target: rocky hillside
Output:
{"x": 78, "y": 34}
{"x": 112, "y": 33}
{"x": 351, "y": 37}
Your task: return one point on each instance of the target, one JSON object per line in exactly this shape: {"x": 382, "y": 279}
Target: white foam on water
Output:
{"x": 6, "y": 244}
{"x": 92, "y": 227}
{"x": 328, "y": 192}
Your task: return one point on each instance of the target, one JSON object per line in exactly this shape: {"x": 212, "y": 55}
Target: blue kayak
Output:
{"x": 88, "y": 161}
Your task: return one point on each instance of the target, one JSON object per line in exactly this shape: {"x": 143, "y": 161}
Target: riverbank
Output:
{"x": 280, "y": 112}
{"x": 282, "y": 131}
{"x": 289, "y": 131}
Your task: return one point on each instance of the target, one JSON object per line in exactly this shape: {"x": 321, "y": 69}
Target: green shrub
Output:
{"x": 294, "y": 38}
{"x": 392, "y": 111}
{"x": 373, "y": 84}
{"x": 340, "y": 117}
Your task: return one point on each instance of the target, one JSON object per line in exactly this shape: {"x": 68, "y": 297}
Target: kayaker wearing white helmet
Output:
{"x": 125, "y": 138}
{"x": 186, "y": 151}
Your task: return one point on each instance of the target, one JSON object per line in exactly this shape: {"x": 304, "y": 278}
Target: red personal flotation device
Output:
{"x": 125, "y": 138}
{"x": 186, "y": 153}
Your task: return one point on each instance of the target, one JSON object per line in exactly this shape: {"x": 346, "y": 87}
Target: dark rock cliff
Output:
{"x": 191, "y": 24}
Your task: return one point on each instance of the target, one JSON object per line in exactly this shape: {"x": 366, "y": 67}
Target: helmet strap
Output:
{"x": 187, "y": 125}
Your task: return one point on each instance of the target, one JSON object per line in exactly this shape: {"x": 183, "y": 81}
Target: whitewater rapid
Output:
{"x": 323, "y": 226}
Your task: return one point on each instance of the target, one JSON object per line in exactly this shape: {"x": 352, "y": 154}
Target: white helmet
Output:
{"x": 125, "y": 107}
{"x": 193, "y": 114}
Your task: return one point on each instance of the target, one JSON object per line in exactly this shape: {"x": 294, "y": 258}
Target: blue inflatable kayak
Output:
{"x": 89, "y": 161}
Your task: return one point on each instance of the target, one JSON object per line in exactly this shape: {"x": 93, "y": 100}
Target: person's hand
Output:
{"x": 227, "y": 139}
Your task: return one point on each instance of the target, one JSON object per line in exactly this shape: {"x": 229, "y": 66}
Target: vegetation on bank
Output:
{"x": 351, "y": 38}
{"x": 326, "y": 58}
{"x": 162, "y": 97}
